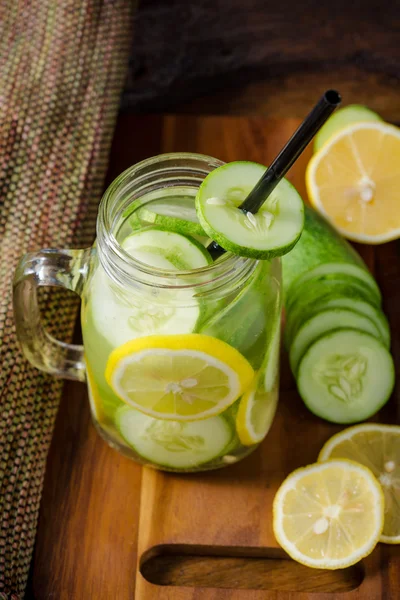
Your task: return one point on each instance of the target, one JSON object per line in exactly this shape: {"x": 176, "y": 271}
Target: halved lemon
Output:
{"x": 178, "y": 377}
{"x": 354, "y": 182}
{"x": 329, "y": 515}
{"x": 255, "y": 415}
{"x": 378, "y": 448}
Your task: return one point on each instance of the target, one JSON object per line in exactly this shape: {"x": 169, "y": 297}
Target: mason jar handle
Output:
{"x": 50, "y": 267}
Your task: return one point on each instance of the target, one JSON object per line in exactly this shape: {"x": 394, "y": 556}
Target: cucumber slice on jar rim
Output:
{"x": 346, "y": 376}
{"x": 272, "y": 231}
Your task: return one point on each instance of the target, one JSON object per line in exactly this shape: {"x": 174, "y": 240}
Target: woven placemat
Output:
{"x": 62, "y": 68}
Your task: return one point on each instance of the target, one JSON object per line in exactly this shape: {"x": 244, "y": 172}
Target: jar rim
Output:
{"x": 227, "y": 264}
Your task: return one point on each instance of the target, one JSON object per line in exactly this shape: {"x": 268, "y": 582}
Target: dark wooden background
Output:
{"x": 262, "y": 56}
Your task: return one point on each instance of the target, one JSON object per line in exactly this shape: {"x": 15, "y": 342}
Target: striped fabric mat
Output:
{"x": 62, "y": 69}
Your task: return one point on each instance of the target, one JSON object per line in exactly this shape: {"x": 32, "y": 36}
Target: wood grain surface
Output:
{"x": 203, "y": 537}
{"x": 258, "y": 57}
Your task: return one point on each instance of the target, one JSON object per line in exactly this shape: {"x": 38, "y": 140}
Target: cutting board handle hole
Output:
{"x": 270, "y": 569}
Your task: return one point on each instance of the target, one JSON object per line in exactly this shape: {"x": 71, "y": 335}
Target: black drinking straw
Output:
{"x": 287, "y": 156}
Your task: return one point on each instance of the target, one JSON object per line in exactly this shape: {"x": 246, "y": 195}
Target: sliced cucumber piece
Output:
{"x": 174, "y": 444}
{"x": 338, "y": 269}
{"x": 166, "y": 249}
{"x": 271, "y": 360}
{"x": 323, "y": 322}
{"x": 174, "y": 214}
{"x": 242, "y": 321}
{"x": 354, "y": 113}
{"x": 121, "y": 315}
{"x": 319, "y": 244}
{"x": 272, "y": 231}
{"x": 369, "y": 310}
{"x": 346, "y": 376}
{"x": 332, "y": 283}
{"x": 301, "y": 313}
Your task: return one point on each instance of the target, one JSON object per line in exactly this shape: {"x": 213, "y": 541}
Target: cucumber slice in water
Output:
{"x": 241, "y": 322}
{"x": 272, "y": 231}
{"x": 323, "y": 322}
{"x": 166, "y": 249}
{"x": 173, "y": 213}
{"x": 171, "y": 443}
{"x": 346, "y": 376}
{"x": 121, "y": 314}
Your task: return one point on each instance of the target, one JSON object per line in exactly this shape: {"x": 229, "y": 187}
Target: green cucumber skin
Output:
{"x": 319, "y": 243}
{"x": 247, "y": 252}
{"x": 192, "y": 240}
{"x": 373, "y": 332}
{"x": 170, "y": 223}
{"x": 324, "y": 285}
{"x": 336, "y": 270}
{"x": 345, "y": 420}
{"x": 300, "y": 313}
{"x": 354, "y": 113}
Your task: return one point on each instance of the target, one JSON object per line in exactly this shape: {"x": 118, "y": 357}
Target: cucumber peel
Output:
{"x": 173, "y": 214}
{"x": 323, "y": 322}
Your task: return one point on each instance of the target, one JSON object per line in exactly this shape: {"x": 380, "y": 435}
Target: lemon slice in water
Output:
{"x": 178, "y": 377}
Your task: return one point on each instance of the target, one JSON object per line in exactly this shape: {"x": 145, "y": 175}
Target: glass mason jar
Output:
{"x": 144, "y": 328}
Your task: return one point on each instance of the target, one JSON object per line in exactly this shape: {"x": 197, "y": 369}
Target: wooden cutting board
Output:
{"x": 207, "y": 536}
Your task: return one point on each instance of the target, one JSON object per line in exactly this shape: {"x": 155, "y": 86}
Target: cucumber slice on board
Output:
{"x": 323, "y": 322}
{"x": 319, "y": 244}
{"x": 272, "y": 231}
{"x": 303, "y": 312}
{"x": 314, "y": 288}
{"x": 160, "y": 248}
{"x": 354, "y": 113}
{"x": 346, "y": 376}
{"x": 172, "y": 213}
{"x": 174, "y": 444}
{"x": 337, "y": 269}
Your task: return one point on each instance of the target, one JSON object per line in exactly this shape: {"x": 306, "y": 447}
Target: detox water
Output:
{"x": 236, "y": 301}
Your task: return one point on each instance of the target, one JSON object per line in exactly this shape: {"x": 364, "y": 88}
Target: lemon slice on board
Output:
{"x": 378, "y": 448}
{"x": 354, "y": 181}
{"x": 179, "y": 377}
{"x": 329, "y": 515}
